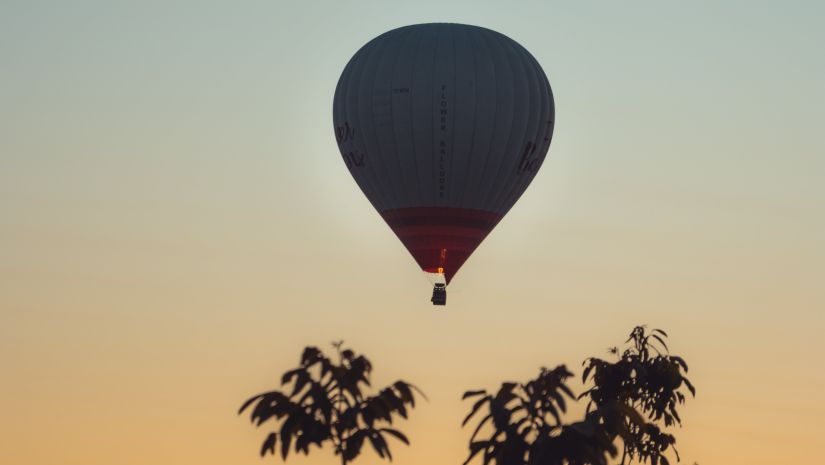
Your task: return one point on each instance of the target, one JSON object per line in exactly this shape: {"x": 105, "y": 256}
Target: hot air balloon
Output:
{"x": 443, "y": 127}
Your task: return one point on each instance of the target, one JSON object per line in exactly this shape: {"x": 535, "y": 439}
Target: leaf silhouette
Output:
{"x": 397, "y": 434}
{"x": 473, "y": 393}
{"x": 327, "y": 404}
{"x": 269, "y": 444}
{"x": 379, "y": 445}
{"x": 475, "y": 408}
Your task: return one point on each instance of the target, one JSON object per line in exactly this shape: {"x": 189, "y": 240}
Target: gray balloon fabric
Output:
{"x": 443, "y": 127}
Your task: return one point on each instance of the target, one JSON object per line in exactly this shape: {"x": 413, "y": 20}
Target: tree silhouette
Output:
{"x": 628, "y": 401}
{"x": 647, "y": 380}
{"x": 326, "y": 404}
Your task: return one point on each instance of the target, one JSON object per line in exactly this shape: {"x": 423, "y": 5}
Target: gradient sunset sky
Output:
{"x": 176, "y": 223}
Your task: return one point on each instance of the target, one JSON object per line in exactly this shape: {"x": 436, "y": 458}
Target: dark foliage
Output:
{"x": 649, "y": 380}
{"x": 326, "y": 403}
{"x": 630, "y": 401}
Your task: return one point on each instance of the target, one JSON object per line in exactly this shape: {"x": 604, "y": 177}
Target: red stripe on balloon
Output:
{"x": 441, "y": 237}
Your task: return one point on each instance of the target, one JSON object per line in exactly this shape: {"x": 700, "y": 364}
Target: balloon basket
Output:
{"x": 439, "y": 294}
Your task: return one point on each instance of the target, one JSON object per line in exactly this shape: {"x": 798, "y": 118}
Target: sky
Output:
{"x": 176, "y": 223}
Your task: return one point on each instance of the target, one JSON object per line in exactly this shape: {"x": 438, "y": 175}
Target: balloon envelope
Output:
{"x": 443, "y": 127}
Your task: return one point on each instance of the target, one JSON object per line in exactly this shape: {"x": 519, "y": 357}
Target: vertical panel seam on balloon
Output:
{"x": 544, "y": 86}
{"x": 421, "y": 37}
{"x": 475, "y": 119}
{"x": 387, "y": 185}
{"x": 392, "y": 121}
{"x": 481, "y": 34}
{"x": 385, "y": 171}
{"x": 509, "y": 130}
{"x": 369, "y": 185}
{"x": 508, "y": 187}
{"x": 518, "y": 188}
{"x": 504, "y": 43}
{"x": 373, "y": 166}
{"x": 432, "y": 119}
{"x": 493, "y": 196}
{"x": 546, "y": 110}
{"x": 450, "y": 201}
